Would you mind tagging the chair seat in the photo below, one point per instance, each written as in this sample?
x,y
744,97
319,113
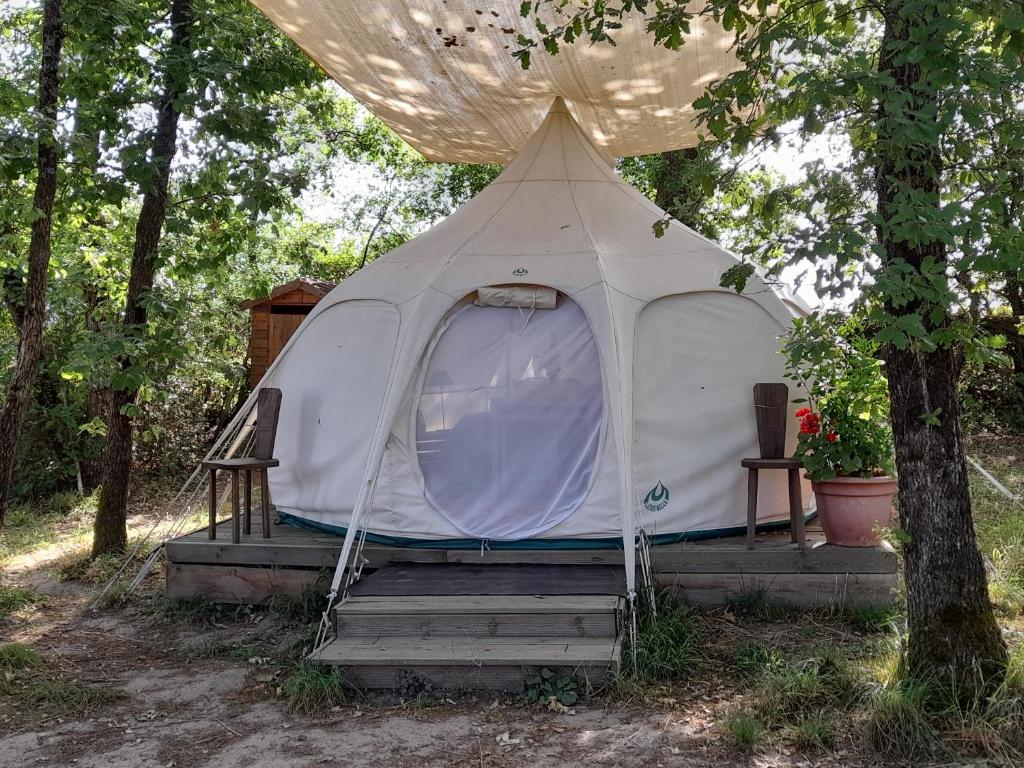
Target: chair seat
x,y
241,463
771,463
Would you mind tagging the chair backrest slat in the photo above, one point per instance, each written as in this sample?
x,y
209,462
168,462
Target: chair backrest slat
x,y
268,408
770,403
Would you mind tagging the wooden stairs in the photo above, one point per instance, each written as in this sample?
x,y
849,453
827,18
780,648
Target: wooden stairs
x,y
517,620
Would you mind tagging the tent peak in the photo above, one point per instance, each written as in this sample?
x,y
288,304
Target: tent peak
x,y
559,150
558,107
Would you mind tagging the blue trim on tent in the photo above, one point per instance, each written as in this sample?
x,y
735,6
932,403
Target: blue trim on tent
x,y
475,544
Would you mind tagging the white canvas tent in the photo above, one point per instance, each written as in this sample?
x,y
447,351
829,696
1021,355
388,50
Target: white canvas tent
x,y
614,395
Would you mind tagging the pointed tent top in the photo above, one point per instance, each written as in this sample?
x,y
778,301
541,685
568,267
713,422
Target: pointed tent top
x,y
559,150
558,107
443,77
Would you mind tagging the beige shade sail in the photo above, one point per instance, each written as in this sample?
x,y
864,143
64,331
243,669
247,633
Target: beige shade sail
x,y
442,75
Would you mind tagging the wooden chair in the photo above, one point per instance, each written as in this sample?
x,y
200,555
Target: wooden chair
x,y
770,405
268,407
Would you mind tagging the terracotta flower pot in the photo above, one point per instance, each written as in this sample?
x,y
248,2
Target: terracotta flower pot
x,y
852,509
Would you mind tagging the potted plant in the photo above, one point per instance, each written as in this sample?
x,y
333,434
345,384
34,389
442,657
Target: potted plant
x,y
845,440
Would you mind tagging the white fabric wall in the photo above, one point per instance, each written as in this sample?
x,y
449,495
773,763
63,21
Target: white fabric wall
x,y
697,358
333,384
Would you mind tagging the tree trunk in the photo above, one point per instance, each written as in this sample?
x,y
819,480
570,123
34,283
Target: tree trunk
x,y
31,315
97,405
953,635
110,531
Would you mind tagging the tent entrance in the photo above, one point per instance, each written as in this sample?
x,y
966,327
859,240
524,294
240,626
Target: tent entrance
x,y
508,419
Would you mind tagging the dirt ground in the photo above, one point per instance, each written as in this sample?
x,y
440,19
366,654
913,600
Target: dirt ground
x,y
190,695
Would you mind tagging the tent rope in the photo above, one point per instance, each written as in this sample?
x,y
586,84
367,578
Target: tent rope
x,y
995,483
643,545
239,434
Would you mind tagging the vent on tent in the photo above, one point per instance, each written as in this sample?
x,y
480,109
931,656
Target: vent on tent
x,y
524,296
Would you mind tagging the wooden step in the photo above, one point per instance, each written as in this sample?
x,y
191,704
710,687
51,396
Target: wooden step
x,y
450,663
570,616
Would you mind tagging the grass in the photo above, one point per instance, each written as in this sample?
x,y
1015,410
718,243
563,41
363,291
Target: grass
x,y
13,599
795,689
813,733
668,645
22,681
911,720
43,523
60,695
897,728
743,731
753,660
193,611
311,689
17,656
871,618
302,610
999,522
804,701
756,604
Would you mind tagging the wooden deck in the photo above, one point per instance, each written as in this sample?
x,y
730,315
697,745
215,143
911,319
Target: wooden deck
x,y
708,573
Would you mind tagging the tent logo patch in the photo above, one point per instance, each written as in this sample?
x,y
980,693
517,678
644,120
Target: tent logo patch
x,y
520,271
656,498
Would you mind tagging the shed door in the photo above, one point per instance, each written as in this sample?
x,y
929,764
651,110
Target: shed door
x,y
282,326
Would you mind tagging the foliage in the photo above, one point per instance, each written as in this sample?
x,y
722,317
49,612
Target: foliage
x,y
811,69
542,687
709,191
844,429
312,688
992,397
263,137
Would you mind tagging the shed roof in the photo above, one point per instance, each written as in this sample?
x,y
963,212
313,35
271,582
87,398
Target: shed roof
x,y
319,288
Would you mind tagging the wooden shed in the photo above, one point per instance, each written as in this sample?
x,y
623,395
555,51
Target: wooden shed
x,y
274,318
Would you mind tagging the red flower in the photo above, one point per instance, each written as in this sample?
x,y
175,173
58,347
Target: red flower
x,y
802,412
810,423
832,437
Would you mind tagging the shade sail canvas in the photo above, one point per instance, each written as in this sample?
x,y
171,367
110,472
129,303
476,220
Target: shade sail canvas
x,y
442,75
425,417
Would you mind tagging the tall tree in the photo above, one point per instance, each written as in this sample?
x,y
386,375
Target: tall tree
x,y
953,633
110,531
29,308
926,94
